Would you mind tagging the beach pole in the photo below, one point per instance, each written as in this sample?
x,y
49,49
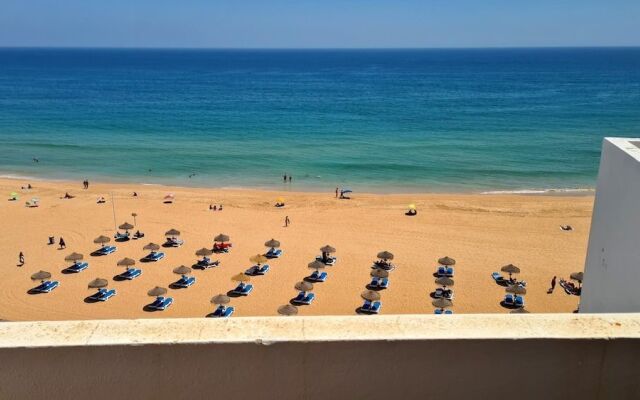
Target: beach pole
x,y
113,206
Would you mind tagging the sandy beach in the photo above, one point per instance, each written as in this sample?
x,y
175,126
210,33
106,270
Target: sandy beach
x,y
481,232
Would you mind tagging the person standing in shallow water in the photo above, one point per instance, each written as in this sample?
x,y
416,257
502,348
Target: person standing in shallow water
x,y
336,193
289,178
284,177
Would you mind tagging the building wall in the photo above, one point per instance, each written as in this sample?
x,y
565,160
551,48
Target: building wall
x,y
396,357
612,269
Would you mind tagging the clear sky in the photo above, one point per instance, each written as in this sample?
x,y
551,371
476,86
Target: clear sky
x,y
319,23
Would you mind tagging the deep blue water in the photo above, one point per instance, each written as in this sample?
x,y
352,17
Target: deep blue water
x,y
381,120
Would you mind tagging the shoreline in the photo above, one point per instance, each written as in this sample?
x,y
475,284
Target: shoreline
x,y
308,190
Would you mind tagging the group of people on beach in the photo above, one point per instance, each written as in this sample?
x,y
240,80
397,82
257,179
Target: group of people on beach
x,y
285,177
85,184
213,207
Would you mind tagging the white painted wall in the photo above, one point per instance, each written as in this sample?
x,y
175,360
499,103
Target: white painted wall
x,y
612,269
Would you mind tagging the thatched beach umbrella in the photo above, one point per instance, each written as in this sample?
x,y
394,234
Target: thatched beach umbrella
x,y
444,281
126,226
221,238
316,265
287,310
98,283
134,215
379,273
442,303
74,257
303,286
272,243
510,269
370,295
157,291
258,259
101,240
172,233
203,252
182,270
448,261
385,255
520,310
126,262
151,247
327,249
41,275
516,289
220,299
577,276
241,277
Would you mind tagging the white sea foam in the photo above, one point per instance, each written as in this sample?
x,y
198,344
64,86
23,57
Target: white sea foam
x,y
542,191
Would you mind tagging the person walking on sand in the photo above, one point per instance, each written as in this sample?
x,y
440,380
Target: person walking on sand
x,y
62,244
287,221
553,284
336,192
21,259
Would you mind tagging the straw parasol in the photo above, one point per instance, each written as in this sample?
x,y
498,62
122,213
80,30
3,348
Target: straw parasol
x,y
41,275
98,283
520,310
379,273
221,238
385,255
258,259
510,269
241,277
101,240
204,252
287,310
446,261
303,286
157,291
152,247
316,265
126,262
220,299
442,303
126,226
577,276
73,257
272,243
134,215
370,295
328,249
182,270
444,281
172,232
516,289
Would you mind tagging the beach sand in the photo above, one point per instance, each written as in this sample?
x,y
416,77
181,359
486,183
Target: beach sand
x,y
481,232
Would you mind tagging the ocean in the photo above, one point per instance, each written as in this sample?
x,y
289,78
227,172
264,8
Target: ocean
x,y
432,120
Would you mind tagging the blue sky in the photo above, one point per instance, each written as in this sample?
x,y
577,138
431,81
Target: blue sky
x,y
321,23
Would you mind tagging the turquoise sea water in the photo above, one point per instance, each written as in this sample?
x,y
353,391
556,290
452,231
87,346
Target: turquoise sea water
x,y
374,120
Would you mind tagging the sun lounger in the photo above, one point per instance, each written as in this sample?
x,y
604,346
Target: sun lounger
x,y
157,302
103,295
449,272
131,274
78,267
103,251
46,287
438,293
122,237
223,312
165,303
317,277
173,242
519,301
273,253
206,262
222,247
441,271
329,261
185,281
371,308
508,300
383,283
256,270
304,298
448,294
242,289
497,277
153,256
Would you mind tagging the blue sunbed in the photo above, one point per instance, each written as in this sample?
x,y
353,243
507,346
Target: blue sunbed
x,y
46,287
207,263
383,283
255,270
131,274
103,251
273,253
103,295
317,276
242,289
223,312
371,308
153,256
304,298
497,277
440,311
185,281
519,301
123,237
78,267
449,272
165,303
442,271
508,299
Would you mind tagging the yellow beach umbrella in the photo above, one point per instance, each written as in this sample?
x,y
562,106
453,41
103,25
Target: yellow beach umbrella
x,y
412,206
